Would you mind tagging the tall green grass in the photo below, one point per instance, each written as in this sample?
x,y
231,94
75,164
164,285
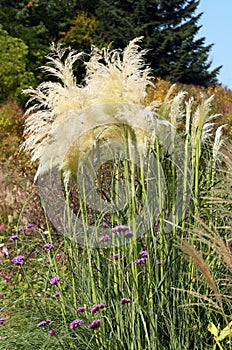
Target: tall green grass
x,y
170,299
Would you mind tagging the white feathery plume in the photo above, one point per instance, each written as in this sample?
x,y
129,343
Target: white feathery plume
x,y
121,75
218,141
201,124
67,118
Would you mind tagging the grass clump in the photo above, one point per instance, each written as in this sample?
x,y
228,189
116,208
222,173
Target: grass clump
x,y
131,200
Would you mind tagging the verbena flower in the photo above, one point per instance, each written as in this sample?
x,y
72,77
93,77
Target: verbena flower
x,y
140,261
48,246
158,262
104,238
55,280
52,332
94,324
97,307
2,320
143,253
75,324
56,294
81,309
119,228
13,238
30,227
18,260
125,301
129,234
43,323
115,256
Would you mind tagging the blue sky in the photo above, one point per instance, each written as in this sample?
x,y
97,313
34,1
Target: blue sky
x,y
216,28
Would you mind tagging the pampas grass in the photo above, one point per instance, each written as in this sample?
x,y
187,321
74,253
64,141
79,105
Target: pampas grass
x,y
64,111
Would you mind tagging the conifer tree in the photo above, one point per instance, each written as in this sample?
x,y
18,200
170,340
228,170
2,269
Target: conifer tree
x,y
169,28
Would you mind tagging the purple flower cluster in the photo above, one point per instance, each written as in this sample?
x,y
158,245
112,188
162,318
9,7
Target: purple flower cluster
x,y
56,294
159,262
81,309
125,301
52,332
119,228
2,320
105,238
43,323
13,238
140,261
75,324
129,234
94,324
97,307
54,280
18,260
143,253
48,246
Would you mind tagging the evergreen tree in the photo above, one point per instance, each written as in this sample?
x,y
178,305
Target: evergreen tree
x,y
169,28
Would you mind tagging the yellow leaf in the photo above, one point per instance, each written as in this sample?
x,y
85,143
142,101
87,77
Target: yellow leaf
x,y
213,329
227,331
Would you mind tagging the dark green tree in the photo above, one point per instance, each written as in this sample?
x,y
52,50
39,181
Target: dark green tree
x,y
169,28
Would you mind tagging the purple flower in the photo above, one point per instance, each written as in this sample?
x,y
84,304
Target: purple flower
x,y
94,324
43,323
105,224
97,307
143,253
81,309
48,246
140,261
30,227
18,260
115,256
2,320
119,228
13,238
125,301
129,234
75,324
159,262
104,238
56,294
52,332
55,280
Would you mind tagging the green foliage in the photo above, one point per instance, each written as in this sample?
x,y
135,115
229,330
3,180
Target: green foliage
x,y
13,74
82,33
